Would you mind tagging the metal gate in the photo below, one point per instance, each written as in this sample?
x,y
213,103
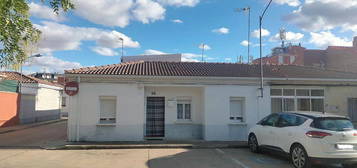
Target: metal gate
x,y
28,109
352,109
155,117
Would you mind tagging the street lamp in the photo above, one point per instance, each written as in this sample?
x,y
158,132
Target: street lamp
x,y
247,9
203,50
261,51
32,56
122,47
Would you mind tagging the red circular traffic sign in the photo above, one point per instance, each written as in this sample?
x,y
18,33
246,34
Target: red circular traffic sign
x,y
71,88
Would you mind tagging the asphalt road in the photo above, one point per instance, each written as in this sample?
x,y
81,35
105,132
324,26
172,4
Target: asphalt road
x,y
35,137
140,158
20,149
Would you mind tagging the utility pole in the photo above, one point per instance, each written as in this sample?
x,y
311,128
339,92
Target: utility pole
x,y
247,9
203,50
21,63
261,50
122,47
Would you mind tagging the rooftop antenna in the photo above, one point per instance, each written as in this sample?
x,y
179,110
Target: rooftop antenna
x,y
282,35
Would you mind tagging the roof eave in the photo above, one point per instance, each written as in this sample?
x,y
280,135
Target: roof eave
x,y
210,78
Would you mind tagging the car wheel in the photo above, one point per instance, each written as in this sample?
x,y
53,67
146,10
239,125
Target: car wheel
x,y
253,143
349,165
299,157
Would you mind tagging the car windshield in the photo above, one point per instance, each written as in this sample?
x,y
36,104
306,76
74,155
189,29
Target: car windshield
x,y
333,124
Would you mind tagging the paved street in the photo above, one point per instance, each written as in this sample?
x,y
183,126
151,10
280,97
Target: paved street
x,y
20,149
139,158
49,134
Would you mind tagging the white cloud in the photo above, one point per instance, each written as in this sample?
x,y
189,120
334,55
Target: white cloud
x,y
326,38
148,11
104,51
177,21
119,12
222,30
50,63
45,12
318,15
256,33
57,37
179,3
122,12
293,3
205,46
290,36
244,43
153,52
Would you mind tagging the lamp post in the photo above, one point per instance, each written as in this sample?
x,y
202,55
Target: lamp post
x,y
261,50
122,47
247,9
32,56
203,50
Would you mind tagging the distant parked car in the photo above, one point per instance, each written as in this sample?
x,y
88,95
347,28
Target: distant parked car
x,y
307,138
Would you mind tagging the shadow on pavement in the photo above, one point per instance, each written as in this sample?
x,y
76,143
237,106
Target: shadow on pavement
x,y
210,158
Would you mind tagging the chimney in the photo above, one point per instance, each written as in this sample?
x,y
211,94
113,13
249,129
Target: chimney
x,y
355,41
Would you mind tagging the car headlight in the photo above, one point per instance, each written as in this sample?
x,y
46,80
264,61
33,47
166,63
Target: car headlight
x,y
344,146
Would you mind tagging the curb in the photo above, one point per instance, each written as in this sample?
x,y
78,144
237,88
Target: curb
x,y
143,146
31,126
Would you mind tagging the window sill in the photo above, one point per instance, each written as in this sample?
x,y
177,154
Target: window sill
x,y
108,124
237,123
183,122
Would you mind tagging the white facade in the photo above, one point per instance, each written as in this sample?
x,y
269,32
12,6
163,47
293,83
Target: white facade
x,y
83,123
210,112
39,102
208,98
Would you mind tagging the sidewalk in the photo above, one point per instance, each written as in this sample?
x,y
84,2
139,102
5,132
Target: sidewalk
x,y
26,126
153,144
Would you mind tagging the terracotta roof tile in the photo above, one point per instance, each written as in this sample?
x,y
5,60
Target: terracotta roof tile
x,y
12,75
142,68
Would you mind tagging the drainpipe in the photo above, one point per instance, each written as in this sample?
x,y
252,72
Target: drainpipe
x,y
78,112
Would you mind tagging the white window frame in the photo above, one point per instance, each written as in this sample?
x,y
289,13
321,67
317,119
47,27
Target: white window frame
x,y
295,97
242,117
102,119
184,103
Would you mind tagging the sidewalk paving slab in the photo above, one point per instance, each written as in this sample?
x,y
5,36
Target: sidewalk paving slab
x,y
150,145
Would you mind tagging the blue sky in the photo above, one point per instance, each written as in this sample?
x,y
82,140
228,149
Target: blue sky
x,y
89,35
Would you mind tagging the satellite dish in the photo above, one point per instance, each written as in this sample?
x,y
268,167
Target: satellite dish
x,y
282,34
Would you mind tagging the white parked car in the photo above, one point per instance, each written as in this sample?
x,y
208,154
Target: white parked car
x,y
307,138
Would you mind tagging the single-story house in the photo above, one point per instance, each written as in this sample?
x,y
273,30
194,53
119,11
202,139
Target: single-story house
x,y
39,100
136,101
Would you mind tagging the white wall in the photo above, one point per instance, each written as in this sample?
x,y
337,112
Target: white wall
x,y
218,126
175,129
47,104
85,107
210,111
173,93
